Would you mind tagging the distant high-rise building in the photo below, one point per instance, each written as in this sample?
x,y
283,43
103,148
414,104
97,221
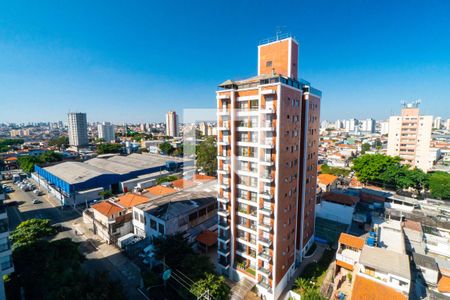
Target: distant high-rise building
x,y
437,122
78,129
203,128
368,125
338,124
106,132
172,124
410,136
268,136
447,125
384,127
350,125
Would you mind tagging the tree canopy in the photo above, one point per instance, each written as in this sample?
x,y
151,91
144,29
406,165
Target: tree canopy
x,y
207,156
53,270
325,169
388,172
166,148
440,185
364,148
177,254
6,144
27,162
108,148
214,284
30,231
59,141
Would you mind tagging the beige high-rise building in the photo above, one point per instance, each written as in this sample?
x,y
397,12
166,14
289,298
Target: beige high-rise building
x,y
268,133
410,137
78,129
172,124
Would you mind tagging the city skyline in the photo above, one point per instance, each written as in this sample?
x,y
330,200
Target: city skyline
x,y
105,60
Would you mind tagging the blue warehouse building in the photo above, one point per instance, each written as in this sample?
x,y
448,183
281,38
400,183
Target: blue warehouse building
x,y
80,182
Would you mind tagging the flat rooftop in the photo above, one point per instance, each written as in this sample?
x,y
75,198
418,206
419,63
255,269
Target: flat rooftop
x,y
182,202
74,172
77,172
386,261
391,236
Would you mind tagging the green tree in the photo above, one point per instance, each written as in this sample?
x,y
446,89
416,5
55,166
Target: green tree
x,y
378,144
207,156
106,194
439,183
216,286
50,156
172,248
196,266
7,144
166,179
53,270
166,148
108,148
27,162
364,148
369,167
30,231
59,141
325,169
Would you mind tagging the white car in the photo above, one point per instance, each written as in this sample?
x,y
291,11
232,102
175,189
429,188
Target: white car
x,y
36,201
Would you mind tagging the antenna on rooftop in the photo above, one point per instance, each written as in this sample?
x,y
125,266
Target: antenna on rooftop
x,y
279,31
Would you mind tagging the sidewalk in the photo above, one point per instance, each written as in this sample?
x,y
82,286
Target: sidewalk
x,y
110,258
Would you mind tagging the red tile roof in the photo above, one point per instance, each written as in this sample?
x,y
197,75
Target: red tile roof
x,y
207,238
203,177
130,200
326,178
182,183
351,240
444,284
12,158
344,265
160,190
107,208
364,288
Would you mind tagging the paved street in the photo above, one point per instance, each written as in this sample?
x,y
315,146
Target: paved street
x,y
100,256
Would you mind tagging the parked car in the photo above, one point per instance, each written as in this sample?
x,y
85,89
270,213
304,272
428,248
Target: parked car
x,y
38,192
36,201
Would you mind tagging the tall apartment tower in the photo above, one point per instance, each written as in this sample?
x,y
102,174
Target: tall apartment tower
x,y
268,129
78,131
105,131
410,136
172,124
6,261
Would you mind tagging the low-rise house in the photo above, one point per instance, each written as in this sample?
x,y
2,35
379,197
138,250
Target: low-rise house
x,y
348,252
385,267
189,211
327,182
111,219
365,288
427,267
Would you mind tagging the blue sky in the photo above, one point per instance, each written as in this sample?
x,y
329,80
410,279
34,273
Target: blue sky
x,y
126,61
